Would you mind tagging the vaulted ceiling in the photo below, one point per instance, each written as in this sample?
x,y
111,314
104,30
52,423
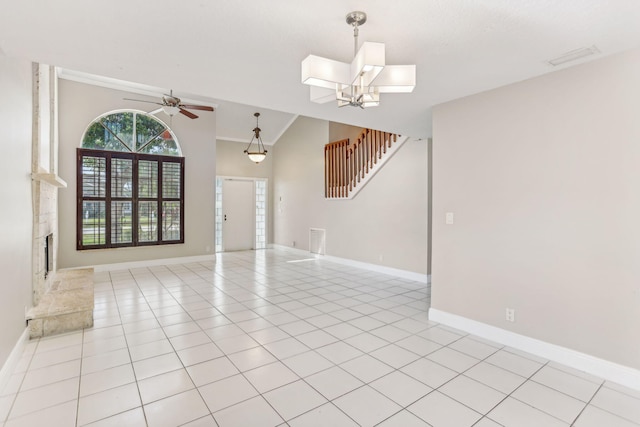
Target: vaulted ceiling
x,y
248,52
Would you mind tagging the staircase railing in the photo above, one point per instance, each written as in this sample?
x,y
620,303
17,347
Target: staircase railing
x,y
347,164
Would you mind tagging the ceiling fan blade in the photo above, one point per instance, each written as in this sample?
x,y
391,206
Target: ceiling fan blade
x,y
197,107
141,100
188,114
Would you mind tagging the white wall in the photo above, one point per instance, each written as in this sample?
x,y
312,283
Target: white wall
x,y
79,105
385,224
232,161
543,177
15,193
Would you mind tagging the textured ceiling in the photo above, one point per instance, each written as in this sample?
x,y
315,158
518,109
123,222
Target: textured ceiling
x,y
249,51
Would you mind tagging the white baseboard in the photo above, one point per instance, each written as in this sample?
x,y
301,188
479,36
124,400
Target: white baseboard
x,y
153,262
404,274
13,359
620,374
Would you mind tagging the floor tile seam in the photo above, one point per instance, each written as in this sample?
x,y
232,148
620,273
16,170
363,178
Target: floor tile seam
x,y
330,402
455,400
400,367
403,406
49,366
10,418
233,404
83,374
450,380
506,370
289,419
486,414
470,355
529,378
481,340
422,356
404,409
82,396
259,393
13,401
608,411
632,396
110,416
34,388
512,372
62,348
514,351
143,403
169,338
545,412
135,375
588,403
533,380
77,420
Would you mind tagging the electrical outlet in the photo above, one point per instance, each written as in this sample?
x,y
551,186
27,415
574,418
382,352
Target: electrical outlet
x,y
448,218
510,315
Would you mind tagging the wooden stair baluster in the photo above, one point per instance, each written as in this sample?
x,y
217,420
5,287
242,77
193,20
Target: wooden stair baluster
x,y
347,164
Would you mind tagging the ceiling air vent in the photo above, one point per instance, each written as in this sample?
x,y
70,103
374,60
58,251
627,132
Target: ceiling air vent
x,y
574,55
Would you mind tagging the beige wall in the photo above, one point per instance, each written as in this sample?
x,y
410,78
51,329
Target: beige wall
x,y
232,161
16,213
79,104
339,131
543,178
385,224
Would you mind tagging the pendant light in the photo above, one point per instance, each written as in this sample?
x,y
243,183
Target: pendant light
x,y
258,154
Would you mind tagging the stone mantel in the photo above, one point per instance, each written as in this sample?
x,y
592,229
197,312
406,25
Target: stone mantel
x,y
50,178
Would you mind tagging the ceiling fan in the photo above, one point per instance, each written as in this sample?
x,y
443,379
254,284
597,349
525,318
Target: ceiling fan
x,y
171,105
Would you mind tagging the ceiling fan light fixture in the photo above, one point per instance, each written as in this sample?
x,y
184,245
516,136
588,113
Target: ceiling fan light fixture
x,y
170,110
257,154
172,105
359,83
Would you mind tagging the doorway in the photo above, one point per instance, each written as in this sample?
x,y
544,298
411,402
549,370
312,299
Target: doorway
x,y
240,213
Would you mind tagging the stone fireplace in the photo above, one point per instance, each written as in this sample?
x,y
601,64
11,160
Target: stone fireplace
x,y
62,300
45,230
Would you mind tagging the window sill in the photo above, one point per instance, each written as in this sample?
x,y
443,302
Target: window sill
x,y
50,178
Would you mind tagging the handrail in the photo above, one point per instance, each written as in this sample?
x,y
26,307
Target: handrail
x,y
347,164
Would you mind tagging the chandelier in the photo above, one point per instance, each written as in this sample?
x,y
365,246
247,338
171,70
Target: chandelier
x,y
259,153
360,83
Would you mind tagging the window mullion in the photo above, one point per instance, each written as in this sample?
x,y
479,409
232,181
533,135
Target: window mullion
x,y
107,207
134,202
159,202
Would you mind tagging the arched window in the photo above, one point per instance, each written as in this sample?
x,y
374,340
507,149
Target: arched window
x,y
130,183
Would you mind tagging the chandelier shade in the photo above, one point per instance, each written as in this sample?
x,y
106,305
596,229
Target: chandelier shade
x,y
360,82
257,157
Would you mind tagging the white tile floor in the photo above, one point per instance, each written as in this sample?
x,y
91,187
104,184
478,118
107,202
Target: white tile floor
x,y
256,340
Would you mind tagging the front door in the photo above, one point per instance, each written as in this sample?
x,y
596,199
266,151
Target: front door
x,y
238,214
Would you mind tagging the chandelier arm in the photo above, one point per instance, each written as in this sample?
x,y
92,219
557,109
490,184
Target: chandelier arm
x,y
249,146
